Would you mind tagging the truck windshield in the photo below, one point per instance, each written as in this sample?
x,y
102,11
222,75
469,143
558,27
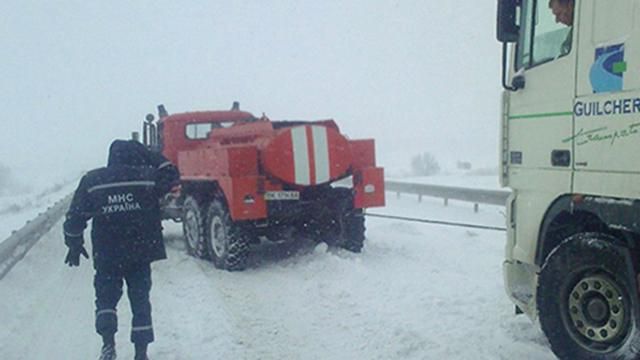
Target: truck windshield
x,y
544,36
202,130
198,131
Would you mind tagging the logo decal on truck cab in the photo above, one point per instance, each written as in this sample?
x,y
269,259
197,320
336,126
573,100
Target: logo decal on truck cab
x,y
607,71
583,137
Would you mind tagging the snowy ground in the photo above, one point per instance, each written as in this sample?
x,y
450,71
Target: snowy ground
x,y
417,291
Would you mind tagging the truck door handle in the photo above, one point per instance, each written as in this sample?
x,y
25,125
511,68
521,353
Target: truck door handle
x,y
561,158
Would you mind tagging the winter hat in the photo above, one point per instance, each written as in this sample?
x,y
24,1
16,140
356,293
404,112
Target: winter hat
x,y
128,152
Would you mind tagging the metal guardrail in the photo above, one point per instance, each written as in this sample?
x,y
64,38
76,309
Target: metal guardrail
x,y
475,196
16,246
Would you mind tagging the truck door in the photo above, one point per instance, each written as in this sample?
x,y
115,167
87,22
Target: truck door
x,y
540,114
538,118
607,108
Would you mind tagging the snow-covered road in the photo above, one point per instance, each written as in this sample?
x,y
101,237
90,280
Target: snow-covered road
x,y
416,292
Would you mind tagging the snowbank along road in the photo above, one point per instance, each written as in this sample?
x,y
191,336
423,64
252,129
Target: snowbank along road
x,y
417,291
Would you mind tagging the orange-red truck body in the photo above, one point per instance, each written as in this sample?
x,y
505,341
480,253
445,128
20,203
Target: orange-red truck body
x,y
249,158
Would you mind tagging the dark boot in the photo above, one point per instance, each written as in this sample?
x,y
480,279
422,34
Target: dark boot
x,y
141,351
108,352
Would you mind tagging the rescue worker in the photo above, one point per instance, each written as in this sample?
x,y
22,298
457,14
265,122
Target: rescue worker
x,y
123,201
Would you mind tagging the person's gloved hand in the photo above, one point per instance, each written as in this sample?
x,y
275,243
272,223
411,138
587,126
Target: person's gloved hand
x,y
73,255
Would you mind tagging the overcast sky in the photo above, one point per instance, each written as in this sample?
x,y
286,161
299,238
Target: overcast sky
x,y
417,76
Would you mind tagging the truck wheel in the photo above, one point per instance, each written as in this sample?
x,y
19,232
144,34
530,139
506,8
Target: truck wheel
x,y
226,241
352,234
346,227
193,227
587,300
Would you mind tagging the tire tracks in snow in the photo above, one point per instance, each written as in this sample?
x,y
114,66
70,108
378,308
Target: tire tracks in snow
x,y
225,316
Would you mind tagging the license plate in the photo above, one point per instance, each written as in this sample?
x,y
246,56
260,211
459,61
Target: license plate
x,y
282,195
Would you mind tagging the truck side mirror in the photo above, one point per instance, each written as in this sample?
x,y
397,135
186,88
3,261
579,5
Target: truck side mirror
x,y
149,134
507,28
518,82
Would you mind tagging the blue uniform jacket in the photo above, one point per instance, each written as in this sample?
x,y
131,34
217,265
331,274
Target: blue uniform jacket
x,y
122,199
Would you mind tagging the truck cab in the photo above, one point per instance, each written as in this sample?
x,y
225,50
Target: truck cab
x,y
570,129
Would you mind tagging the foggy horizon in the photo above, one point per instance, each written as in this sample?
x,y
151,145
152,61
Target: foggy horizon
x,y
416,76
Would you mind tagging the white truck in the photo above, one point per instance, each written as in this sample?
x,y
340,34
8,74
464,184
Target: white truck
x,y
570,152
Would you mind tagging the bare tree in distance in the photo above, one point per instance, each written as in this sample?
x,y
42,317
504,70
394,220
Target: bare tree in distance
x,y
424,164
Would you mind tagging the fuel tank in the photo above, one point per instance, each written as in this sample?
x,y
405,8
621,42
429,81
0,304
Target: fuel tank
x,y
307,155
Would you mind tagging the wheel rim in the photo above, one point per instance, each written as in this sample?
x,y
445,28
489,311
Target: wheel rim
x,y
598,312
218,237
191,222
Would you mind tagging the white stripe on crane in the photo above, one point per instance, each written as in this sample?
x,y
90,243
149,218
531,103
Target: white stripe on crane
x,y
300,155
321,153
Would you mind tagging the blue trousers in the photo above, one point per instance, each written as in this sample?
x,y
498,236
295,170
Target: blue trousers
x,y
108,286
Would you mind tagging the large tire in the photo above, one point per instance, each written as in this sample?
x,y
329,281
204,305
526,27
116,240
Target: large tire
x,y
345,226
226,241
587,300
353,229
193,227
